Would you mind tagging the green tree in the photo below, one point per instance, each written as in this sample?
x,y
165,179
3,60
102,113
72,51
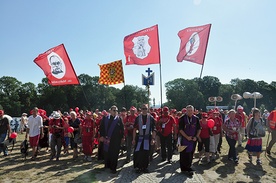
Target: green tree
x,y
28,96
9,98
131,95
181,92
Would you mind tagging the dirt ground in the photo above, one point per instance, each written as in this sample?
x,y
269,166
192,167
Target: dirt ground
x,y
14,168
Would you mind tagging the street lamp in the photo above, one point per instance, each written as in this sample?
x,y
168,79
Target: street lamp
x,y
215,99
236,97
254,95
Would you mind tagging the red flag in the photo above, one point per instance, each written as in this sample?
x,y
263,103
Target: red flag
x,y
142,47
193,44
57,66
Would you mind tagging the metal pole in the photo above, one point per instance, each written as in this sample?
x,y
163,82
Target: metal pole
x,y
148,94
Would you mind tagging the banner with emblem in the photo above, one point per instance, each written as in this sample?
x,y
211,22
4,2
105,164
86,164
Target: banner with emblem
x,y
111,73
194,41
142,47
57,66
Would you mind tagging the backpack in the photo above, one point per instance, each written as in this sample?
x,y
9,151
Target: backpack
x,y
258,130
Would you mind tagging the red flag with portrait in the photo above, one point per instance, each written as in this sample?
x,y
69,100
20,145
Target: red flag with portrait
x,y
57,66
193,44
142,47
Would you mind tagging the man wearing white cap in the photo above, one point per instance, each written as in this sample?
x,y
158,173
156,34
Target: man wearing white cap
x,y
241,117
56,125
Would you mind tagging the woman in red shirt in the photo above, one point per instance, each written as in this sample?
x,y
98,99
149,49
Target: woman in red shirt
x,y
204,138
87,131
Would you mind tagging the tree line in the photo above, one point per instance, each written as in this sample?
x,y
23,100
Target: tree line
x,y
17,97
197,91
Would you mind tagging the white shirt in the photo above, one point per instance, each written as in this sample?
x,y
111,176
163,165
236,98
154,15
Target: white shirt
x,y
34,125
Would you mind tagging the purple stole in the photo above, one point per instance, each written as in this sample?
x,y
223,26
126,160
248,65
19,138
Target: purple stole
x,y
108,132
190,130
142,136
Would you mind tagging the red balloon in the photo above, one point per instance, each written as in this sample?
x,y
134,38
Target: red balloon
x,y
211,123
70,129
13,135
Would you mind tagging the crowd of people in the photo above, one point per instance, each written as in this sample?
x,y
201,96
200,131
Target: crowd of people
x,y
142,132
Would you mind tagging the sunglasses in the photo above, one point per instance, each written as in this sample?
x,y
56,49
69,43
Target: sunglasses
x,y
114,110
144,108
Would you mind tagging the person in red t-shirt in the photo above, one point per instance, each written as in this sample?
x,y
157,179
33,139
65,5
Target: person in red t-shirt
x,y
128,123
176,118
66,135
204,139
217,133
87,131
56,126
167,124
271,120
241,117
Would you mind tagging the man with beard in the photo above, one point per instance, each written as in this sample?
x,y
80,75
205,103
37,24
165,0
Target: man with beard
x,y
145,127
189,129
111,134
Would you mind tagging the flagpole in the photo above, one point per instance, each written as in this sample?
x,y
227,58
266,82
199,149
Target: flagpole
x,y
89,106
160,70
124,88
201,71
205,51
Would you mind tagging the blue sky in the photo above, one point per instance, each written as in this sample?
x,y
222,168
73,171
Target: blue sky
x,y
241,42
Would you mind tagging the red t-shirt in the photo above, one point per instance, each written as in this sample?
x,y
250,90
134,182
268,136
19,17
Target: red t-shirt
x,y
87,126
56,122
128,122
204,130
240,117
217,127
176,124
272,120
166,124
65,131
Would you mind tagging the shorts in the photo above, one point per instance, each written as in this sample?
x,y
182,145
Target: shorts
x,y
34,141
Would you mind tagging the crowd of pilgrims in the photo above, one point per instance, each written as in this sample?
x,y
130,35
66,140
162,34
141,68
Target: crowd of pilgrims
x,y
142,132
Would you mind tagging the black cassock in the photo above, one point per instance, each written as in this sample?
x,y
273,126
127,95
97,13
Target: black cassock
x,y
114,136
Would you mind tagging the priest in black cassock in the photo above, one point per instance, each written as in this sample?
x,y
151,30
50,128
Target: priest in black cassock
x,y
111,134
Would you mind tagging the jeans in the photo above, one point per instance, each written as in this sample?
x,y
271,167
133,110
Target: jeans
x,y
232,149
3,148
